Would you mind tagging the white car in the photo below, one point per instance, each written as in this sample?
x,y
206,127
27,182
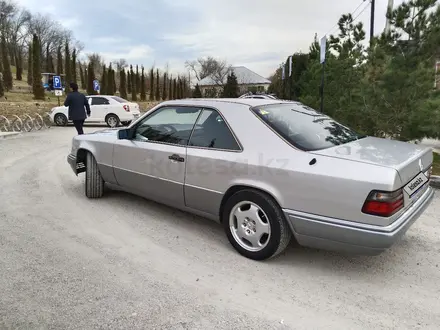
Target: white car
x,y
113,110
258,96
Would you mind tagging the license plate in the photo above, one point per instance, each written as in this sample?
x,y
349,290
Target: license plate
x,y
415,184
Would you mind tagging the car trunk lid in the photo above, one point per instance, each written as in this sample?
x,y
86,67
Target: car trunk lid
x,y
134,107
408,159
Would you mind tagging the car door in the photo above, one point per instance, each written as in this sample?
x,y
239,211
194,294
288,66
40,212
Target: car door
x,y
99,109
152,163
212,155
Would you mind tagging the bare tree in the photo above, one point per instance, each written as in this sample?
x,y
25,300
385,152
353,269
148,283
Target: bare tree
x,y
120,64
210,67
97,63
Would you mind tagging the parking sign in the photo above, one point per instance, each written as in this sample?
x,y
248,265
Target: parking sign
x,y
57,82
96,85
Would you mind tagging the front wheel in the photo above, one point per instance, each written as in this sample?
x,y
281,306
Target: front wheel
x,y
60,119
255,225
94,182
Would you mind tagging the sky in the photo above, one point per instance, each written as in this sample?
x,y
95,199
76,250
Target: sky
x,y
258,34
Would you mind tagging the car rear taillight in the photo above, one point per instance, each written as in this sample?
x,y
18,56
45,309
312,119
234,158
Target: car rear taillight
x,y
383,204
126,108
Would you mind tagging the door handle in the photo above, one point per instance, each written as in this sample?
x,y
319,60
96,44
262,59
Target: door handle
x,y
176,158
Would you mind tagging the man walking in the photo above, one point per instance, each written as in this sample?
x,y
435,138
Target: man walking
x,y
78,106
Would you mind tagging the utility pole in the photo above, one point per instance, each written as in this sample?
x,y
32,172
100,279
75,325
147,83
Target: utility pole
x,y
373,5
390,8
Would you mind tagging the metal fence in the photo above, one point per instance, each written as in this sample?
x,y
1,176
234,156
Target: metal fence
x,y
25,123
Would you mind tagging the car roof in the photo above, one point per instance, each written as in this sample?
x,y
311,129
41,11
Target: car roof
x,y
212,101
100,95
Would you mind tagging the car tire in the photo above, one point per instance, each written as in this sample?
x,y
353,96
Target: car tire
x,y
60,119
94,185
112,120
126,123
270,217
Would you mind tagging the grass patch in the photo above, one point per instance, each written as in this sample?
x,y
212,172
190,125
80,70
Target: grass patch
x,y
436,164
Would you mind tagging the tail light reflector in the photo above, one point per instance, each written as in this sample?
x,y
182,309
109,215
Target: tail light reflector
x,y
127,108
383,204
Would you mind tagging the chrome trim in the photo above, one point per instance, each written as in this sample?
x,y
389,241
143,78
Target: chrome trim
x,y
205,189
227,124
152,111
147,175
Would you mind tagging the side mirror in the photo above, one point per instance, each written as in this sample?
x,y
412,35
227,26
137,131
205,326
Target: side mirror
x,y
125,134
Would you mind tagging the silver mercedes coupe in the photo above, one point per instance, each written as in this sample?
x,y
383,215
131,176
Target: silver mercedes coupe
x,y
266,170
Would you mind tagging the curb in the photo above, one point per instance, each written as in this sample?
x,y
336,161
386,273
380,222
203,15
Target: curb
x,y
8,135
435,181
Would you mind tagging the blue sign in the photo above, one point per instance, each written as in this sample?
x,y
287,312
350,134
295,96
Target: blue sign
x,y
57,82
96,85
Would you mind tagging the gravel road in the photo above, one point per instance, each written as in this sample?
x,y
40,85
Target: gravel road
x,y
122,262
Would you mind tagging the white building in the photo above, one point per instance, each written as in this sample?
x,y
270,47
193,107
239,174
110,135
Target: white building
x,y
247,81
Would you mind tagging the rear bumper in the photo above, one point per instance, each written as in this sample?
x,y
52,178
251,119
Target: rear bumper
x,y
350,237
129,116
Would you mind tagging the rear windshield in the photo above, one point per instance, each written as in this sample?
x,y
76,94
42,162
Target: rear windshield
x,y
304,127
119,99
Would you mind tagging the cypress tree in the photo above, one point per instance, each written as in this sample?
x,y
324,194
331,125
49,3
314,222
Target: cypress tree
x,y
138,80
178,96
197,92
170,88
30,70
67,66
104,89
74,77
90,78
86,79
1,71
110,81
164,87
81,76
122,84
128,82
47,58
151,84
59,61
51,66
133,84
231,87
143,91
2,88
19,62
184,88
7,73
157,86
37,86
181,88
114,81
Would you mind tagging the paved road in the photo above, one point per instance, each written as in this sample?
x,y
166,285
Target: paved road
x,y
122,262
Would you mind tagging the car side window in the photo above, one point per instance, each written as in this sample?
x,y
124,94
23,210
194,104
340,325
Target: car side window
x,y
99,101
211,131
168,125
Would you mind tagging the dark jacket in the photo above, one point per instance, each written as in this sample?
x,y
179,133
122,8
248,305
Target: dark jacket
x,y
78,105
